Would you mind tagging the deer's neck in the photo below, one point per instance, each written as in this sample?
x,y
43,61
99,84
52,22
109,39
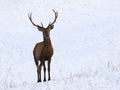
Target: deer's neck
x,y
47,42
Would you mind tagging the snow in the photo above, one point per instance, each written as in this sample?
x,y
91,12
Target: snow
x,y
86,40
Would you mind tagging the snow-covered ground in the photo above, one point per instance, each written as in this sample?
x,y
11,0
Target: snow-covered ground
x,y
86,40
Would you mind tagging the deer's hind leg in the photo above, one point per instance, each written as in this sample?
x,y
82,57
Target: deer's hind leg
x,y
39,71
36,60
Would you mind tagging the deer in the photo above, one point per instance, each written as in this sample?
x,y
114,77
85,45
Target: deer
x,y
43,51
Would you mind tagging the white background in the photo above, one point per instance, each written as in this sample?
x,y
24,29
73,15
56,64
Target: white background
x,y
86,41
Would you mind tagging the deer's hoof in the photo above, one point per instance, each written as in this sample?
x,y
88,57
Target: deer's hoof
x,y
39,81
44,80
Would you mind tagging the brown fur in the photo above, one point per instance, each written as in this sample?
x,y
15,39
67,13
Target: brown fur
x,y
43,51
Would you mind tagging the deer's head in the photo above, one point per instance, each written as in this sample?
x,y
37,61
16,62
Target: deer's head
x,y
45,31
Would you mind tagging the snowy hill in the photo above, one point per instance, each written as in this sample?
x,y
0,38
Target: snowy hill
x,y
86,40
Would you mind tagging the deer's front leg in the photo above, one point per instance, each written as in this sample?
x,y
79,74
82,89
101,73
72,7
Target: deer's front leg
x,y
44,72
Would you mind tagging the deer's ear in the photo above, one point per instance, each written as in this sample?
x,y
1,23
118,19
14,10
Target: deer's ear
x,y
39,28
52,26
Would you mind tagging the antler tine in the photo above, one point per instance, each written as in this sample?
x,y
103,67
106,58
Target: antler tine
x,y
41,24
56,15
30,17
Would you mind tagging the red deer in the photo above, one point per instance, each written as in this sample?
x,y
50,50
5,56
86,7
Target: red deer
x,y
43,51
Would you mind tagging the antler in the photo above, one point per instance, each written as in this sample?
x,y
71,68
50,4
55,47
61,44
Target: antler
x,y
56,15
30,17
